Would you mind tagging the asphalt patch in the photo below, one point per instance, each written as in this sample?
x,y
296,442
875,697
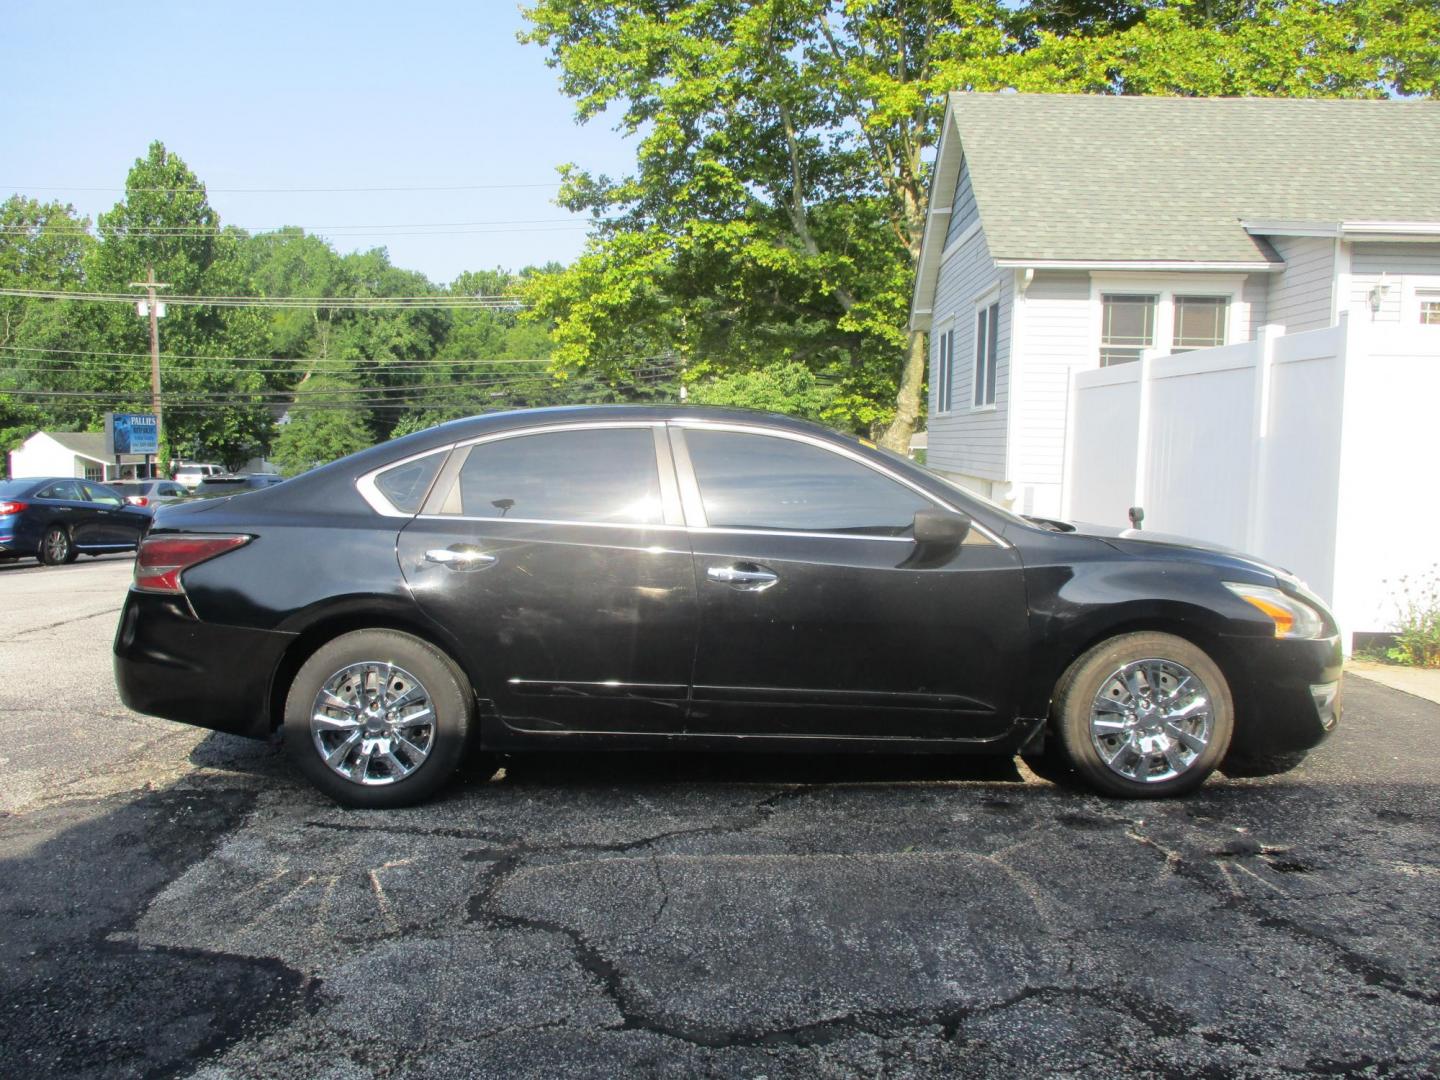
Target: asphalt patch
x,y
79,999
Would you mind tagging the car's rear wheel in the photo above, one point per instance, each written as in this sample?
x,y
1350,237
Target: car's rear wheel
x,y
1144,715
56,547
378,718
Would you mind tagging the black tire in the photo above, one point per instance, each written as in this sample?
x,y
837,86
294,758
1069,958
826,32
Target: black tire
x,y
449,696
1075,697
56,546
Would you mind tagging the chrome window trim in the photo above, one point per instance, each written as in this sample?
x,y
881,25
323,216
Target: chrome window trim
x,y
709,529
555,521
370,492
685,475
823,444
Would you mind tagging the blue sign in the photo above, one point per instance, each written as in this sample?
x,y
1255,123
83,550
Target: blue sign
x,y
132,433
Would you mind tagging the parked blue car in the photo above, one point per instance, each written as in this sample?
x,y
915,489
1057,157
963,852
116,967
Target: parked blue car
x,y
56,518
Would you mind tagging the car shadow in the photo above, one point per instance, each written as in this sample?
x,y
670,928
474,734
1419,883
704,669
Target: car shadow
x,y
253,757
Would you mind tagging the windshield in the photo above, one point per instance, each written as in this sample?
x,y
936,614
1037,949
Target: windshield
x,y
999,511
9,489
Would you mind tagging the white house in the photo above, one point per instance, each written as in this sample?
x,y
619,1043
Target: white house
x,y
69,453
1077,246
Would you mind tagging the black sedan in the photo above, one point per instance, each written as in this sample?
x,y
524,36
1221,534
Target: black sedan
x,y
56,518
651,577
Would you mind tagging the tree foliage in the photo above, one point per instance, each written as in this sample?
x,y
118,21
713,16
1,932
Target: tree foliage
x,y
776,207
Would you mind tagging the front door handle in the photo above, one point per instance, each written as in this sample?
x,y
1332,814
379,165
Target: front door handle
x,y
747,577
455,558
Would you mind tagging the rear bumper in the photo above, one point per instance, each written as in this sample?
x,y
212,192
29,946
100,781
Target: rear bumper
x,y
1289,700
172,665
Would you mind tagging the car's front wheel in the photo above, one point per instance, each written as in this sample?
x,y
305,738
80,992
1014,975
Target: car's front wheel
x,y
378,718
56,547
1144,715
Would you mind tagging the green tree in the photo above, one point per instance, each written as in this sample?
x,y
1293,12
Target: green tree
x,y
780,189
43,246
322,424
789,388
213,353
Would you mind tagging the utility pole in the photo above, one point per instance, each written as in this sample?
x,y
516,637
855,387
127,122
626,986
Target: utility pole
x,y
152,309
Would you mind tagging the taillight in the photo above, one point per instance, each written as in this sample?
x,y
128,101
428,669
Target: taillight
x,y
137,500
7,507
162,559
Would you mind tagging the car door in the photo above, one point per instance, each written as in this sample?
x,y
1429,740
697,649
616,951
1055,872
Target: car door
x,y
820,615
68,505
557,558
113,526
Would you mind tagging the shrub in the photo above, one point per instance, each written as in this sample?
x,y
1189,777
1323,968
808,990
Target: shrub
x,y
1417,628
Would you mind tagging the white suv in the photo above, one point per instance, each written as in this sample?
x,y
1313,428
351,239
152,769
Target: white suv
x,y
190,474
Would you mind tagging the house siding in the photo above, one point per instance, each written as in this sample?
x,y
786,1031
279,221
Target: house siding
x,y
963,210
1256,296
969,442
1056,338
1397,263
1299,297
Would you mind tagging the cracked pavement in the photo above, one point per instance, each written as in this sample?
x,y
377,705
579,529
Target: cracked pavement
x,y
176,903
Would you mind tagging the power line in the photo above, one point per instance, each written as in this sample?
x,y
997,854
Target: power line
x,y
500,302
278,190
209,230
387,364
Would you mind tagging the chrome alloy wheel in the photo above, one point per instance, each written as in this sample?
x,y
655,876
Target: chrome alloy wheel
x,y
1151,720
373,723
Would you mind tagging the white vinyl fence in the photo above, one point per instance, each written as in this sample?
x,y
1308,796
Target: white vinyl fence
x,y
1314,451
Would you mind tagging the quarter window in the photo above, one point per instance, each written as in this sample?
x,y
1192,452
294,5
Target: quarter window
x,y
405,485
987,342
1200,322
763,482
588,475
1127,328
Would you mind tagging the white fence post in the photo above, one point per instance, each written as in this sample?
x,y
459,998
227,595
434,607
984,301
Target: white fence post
x,y
1264,364
1142,430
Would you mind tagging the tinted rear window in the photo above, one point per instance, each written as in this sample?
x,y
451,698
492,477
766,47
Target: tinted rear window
x,y
586,475
10,489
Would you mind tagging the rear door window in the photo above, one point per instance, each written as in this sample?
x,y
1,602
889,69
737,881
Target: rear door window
x,y
591,475
66,490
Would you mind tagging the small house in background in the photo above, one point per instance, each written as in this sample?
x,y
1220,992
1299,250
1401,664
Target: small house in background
x,y
1225,311
71,453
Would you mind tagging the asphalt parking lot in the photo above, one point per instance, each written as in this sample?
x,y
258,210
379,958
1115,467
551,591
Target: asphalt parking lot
x,y
179,903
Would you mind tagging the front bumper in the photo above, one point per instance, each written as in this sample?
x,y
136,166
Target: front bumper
x,y
170,664
1288,697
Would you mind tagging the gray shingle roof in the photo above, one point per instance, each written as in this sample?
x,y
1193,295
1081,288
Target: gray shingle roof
x,y
1093,178
89,444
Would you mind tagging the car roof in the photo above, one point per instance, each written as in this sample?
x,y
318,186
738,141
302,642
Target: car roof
x,y
475,426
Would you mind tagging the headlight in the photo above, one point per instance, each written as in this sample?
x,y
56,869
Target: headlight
x,y
1292,618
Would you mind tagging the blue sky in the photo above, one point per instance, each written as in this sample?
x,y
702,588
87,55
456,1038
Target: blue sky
x,y
305,94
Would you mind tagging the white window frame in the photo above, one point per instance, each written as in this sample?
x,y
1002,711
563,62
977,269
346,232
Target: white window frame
x,y
1165,287
942,382
1417,287
983,303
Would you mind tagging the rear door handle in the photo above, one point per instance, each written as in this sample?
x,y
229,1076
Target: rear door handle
x,y
746,577
460,558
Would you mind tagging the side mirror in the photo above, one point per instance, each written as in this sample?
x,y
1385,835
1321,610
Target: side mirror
x,y
941,527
